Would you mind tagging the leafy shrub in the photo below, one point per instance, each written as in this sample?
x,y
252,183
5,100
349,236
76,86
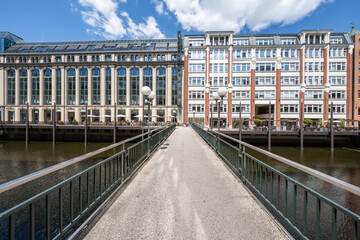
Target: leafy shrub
x,y
258,122
308,122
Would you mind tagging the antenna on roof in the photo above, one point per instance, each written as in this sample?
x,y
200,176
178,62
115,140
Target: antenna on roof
x,y
352,25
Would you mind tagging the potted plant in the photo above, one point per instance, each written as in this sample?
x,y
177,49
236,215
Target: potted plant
x,y
60,122
74,122
50,121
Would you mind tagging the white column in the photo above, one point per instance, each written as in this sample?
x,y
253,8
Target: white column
x,y
77,88
29,80
113,85
4,83
154,85
53,86
89,86
128,103
168,83
17,87
41,95
102,87
141,84
63,92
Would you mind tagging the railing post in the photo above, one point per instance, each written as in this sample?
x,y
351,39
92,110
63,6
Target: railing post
x,y
332,126
86,123
269,128
54,124
114,122
27,124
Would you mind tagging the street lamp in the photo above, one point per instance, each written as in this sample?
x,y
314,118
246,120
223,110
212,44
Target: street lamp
x,y
216,97
150,95
174,112
302,90
146,92
222,93
194,116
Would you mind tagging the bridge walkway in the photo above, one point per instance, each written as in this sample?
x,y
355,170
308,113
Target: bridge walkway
x,y
185,192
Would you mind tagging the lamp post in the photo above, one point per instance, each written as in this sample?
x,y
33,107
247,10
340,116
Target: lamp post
x,y
194,116
216,97
174,112
302,90
146,91
222,93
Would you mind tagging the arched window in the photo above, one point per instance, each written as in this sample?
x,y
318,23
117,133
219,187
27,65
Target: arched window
x,y
174,84
160,86
47,87
83,86
96,86
147,77
71,87
58,86
23,87
121,83
134,86
35,87
108,86
11,87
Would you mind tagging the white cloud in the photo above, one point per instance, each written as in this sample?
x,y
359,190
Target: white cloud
x,y
143,30
159,7
204,15
102,16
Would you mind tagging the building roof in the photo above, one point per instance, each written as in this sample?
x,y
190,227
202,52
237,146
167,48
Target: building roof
x,y
354,31
95,46
10,36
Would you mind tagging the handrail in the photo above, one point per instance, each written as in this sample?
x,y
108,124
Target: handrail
x,y
30,177
327,178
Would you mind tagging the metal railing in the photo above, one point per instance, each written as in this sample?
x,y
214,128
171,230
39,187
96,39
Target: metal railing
x,y
307,213
53,212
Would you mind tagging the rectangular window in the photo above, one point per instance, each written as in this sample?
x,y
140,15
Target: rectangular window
x,y
338,66
196,81
265,53
265,81
313,108
245,108
289,108
337,108
264,42
196,95
261,67
241,67
289,80
313,94
241,95
337,94
237,81
337,80
196,67
289,94
242,53
241,42
197,54
289,66
264,94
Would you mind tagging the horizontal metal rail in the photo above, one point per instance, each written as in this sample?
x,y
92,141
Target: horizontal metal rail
x,y
329,179
30,177
60,207
288,198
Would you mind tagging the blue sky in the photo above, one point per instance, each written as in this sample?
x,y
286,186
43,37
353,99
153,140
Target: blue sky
x,y
65,20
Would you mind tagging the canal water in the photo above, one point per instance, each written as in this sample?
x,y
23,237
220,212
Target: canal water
x,y
342,163
17,160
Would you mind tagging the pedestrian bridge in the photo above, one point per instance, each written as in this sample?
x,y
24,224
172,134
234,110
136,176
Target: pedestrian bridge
x,y
195,185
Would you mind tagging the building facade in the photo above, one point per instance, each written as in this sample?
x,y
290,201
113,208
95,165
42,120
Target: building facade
x,y
92,74
355,35
313,67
